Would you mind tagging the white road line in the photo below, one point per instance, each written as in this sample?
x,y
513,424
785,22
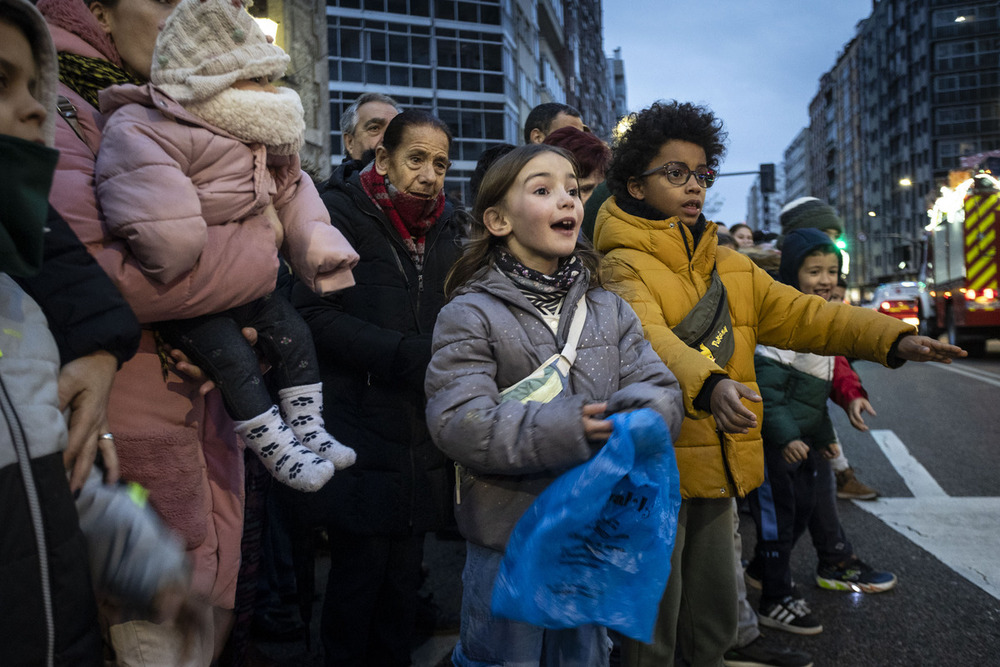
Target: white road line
x,y
976,374
960,532
917,479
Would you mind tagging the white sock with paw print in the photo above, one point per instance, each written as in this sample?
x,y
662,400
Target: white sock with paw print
x,y
282,453
302,407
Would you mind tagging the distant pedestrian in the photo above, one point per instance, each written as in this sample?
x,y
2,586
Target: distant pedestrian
x,y
591,154
743,235
549,117
363,123
520,285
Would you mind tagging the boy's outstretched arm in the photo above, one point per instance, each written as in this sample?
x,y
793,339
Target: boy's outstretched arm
x,y
924,348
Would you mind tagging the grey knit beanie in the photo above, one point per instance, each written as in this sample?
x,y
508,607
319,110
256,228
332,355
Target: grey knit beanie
x,y
809,213
208,45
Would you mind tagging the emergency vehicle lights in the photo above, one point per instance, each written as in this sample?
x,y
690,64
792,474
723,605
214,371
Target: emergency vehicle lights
x,y
950,206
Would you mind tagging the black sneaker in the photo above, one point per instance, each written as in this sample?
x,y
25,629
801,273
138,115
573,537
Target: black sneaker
x,y
854,576
765,653
791,615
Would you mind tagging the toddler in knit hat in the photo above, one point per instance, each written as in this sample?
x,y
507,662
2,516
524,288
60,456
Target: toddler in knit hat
x,y
210,142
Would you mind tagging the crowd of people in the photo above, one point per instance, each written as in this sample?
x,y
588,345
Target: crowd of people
x,y
185,309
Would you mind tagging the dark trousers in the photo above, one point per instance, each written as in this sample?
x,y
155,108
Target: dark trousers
x,y
782,508
371,598
216,344
828,537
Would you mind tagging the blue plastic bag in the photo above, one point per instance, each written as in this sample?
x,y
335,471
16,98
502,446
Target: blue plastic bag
x,y
595,546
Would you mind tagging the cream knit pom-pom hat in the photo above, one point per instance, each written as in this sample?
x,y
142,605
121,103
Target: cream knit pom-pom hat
x,y
208,45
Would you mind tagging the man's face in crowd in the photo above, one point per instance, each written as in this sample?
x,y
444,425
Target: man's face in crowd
x,y
373,117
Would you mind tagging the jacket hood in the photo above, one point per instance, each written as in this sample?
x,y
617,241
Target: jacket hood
x,y
796,247
74,17
44,54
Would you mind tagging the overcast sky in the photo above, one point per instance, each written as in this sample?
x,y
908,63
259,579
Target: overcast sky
x,y
756,63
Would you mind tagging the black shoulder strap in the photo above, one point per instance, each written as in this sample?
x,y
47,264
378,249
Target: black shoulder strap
x,y
68,112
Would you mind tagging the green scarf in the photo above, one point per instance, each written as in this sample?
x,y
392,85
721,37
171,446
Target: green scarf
x,y
89,76
24,203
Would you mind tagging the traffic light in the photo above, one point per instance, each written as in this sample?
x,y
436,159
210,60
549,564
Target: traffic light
x,y
841,244
767,178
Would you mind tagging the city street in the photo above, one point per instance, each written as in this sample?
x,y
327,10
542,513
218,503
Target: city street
x,y
934,454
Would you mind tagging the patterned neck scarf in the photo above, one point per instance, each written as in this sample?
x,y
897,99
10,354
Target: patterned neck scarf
x,y
411,216
570,269
89,76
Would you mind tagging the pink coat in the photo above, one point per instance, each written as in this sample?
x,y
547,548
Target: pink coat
x,y
177,444
165,179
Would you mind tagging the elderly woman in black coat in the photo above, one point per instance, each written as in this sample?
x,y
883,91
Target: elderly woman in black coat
x,y
373,341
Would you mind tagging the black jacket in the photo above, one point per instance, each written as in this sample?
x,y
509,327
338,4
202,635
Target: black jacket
x,y
85,310
373,342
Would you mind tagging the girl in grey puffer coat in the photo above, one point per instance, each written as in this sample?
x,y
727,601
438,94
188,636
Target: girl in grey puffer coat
x,y
513,313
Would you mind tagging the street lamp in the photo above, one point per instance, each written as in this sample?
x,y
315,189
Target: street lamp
x,y
905,182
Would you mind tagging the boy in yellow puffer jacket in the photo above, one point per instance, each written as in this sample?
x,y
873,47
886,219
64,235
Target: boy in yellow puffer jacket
x,y
704,309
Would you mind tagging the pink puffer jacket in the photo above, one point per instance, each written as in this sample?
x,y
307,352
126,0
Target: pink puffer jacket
x,y
165,178
178,445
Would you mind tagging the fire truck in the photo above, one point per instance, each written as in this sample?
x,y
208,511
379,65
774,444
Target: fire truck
x,y
962,263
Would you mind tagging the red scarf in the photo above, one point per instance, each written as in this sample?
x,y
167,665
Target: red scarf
x,y
411,216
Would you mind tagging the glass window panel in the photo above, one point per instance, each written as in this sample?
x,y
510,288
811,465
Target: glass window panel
x,y
375,5
492,58
421,77
472,125
421,50
374,73
471,82
490,14
447,80
350,71
334,66
493,83
378,47
333,41
470,56
445,9
471,150
420,8
399,76
350,44
468,11
350,4
399,49
447,53
450,118
494,125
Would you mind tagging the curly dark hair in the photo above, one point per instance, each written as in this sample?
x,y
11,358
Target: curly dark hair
x,y
650,128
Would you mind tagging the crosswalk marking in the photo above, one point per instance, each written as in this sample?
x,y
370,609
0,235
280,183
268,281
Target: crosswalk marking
x,y
916,477
960,532
970,372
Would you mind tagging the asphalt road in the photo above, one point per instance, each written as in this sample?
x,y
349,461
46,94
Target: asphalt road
x,y
935,529
948,418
